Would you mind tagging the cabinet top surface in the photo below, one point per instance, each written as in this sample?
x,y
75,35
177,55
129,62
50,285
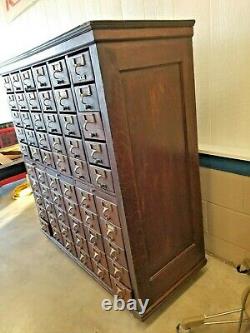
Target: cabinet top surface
x,y
100,25
126,24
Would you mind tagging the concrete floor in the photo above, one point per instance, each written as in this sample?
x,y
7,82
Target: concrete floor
x,y
42,290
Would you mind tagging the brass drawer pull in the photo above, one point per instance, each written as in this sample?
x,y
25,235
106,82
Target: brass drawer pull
x,y
55,145
84,201
83,259
41,79
100,273
75,227
92,239
61,165
78,241
88,218
110,232
97,256
117,273
67,193
71,210
68,246
71,149
56,200
113,253
119,292
106,213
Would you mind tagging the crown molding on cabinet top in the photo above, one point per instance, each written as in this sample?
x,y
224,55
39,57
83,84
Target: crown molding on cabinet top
x,y
101,31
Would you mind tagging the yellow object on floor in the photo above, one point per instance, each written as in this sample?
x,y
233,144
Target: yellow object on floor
x,y
21,190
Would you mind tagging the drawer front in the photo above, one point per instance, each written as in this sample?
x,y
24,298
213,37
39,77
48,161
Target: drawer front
x,y
80,67
47,158
35,153
76,228
91,125
101,273
120,290
26,119
25,150
112,233
85,200
57,144
12,102
79,169
31,138
115,253
41,77
49,207
58,73
94,238
7,83
16,116
39,200
119,273
38,121
47,101
90,220
45,191
35,185
108,211
54,183
41,177
20,132
101,178
69,246
28,80
32,101
68,191
45,226
70,126
98,256
84,258
43,140
53,221
87,99
97,153
58,200
62,217
64,100
16,82
31,170
75,148
72,209
62,164
22,102
57,235
80,242
42,213
52,123
66,232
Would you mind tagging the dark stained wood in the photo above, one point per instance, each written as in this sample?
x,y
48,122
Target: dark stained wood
x,y
117,182
151,109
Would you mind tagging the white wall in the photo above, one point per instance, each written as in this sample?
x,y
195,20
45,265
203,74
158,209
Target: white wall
x,y
221,53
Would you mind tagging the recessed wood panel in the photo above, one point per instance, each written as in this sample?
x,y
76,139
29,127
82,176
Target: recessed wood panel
x,y
156,120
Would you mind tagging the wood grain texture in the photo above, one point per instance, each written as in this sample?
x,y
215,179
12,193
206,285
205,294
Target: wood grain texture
x,y
155,145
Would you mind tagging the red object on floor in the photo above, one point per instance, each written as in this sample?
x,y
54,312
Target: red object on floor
x,y
13,179
7,137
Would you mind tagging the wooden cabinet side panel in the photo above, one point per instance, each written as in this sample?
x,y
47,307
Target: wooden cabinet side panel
x,y
149,92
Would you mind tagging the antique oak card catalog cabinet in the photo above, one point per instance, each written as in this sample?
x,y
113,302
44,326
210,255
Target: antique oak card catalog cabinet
x,y
105,117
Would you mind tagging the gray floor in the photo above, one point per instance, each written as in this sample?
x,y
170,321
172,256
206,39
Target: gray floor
x,y
41,290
